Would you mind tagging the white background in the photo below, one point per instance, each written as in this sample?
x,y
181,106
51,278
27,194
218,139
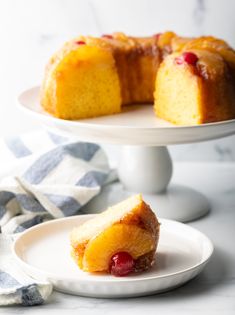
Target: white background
x,y
31,30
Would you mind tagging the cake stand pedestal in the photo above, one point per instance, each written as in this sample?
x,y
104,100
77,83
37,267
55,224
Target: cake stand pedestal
x,y
149,170
145,164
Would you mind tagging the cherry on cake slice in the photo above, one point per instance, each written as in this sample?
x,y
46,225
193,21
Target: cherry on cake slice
x,y
120,240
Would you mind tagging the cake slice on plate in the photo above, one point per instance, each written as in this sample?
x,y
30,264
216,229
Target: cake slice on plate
x,y
120,240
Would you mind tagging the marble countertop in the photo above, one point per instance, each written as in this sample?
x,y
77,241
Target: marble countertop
x,y
212,292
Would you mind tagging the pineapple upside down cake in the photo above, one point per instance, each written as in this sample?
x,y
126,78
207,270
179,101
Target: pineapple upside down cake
x,y
190,81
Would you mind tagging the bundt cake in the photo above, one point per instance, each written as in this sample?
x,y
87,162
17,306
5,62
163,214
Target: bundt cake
x,y
120,240
189,80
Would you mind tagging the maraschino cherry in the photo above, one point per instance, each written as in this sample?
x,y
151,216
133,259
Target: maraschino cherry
x,y
80,42
121,264
187,57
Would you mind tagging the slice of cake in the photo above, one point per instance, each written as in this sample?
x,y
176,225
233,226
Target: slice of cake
x,y
120,240
194,87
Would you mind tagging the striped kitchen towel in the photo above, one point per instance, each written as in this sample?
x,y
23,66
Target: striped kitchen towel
x,y
42,176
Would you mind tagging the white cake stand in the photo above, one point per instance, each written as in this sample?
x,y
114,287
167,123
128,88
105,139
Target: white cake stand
x,y
145,165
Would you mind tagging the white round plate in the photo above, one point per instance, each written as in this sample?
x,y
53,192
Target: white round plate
x,y
137,125
43,251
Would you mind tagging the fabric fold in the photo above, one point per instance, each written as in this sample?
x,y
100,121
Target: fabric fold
x,y
45,176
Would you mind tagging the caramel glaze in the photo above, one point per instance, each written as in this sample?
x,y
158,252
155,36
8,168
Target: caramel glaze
x,y
145,219
137,67
215,74
144,262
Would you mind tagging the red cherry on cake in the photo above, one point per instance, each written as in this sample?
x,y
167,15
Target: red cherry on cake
x,y
121,264
190,58
80,42
187,57
107,36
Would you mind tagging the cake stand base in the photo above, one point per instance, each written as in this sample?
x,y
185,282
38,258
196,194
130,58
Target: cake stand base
x,y
177,202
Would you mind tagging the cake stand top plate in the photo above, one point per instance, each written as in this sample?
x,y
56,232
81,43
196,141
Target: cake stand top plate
x,y
136,125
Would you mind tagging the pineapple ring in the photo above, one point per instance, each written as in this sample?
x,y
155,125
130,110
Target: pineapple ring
x,y
119,237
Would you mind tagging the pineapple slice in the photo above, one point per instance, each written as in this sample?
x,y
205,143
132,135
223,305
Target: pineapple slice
x,y
130,227
117,238
208,43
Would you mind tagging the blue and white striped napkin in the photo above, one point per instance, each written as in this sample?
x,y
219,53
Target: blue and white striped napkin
x,y
42,176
